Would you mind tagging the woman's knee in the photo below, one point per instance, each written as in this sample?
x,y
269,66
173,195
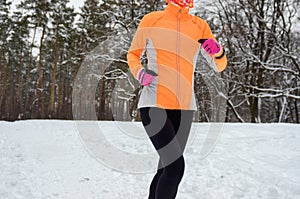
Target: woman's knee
x,y
176,168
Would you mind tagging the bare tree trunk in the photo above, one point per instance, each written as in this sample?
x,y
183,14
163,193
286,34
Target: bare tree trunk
x,y
296,111
40,93
20,86
27,91
53,83
259,109
11,115
253,109
64,100
68,108
3,90
101,110
4,94
60,88
283,108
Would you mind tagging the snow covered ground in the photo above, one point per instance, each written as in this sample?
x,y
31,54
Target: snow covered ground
x,y
47,159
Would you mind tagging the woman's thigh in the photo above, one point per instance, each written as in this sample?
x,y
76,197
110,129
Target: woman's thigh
x,y
168,131
181,122
158,126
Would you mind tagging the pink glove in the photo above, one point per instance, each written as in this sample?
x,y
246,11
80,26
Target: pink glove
x,y
146,76
210,46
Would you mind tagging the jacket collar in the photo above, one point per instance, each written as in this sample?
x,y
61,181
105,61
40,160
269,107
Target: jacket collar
x,y
174,9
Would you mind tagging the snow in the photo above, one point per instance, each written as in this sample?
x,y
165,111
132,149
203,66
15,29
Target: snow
x,y
47,159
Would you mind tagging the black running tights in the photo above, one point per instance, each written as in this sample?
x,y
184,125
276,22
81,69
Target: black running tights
x,y
168,131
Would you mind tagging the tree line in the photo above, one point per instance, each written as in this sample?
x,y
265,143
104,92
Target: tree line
x,y
44,44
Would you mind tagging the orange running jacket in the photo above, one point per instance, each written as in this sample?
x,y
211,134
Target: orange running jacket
x,y
169,39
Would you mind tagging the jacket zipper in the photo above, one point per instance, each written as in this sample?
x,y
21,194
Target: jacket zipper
x,y
178,59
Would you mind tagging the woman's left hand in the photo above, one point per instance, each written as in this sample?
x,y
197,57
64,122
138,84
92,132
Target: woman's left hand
x,y
210,46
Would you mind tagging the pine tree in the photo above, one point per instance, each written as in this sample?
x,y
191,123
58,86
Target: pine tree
x,y
38,13
5,31
19,48
92,25
62,21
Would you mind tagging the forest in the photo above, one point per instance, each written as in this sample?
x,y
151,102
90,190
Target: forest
x,y
45,45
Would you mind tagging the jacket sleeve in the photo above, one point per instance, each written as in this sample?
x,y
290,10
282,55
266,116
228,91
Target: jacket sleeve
x,y
136,49
220,62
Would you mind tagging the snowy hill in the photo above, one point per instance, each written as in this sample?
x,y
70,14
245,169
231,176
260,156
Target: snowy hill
x,y
47,159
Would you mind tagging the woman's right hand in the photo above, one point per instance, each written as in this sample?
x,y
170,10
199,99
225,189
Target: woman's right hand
x,y
146,76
